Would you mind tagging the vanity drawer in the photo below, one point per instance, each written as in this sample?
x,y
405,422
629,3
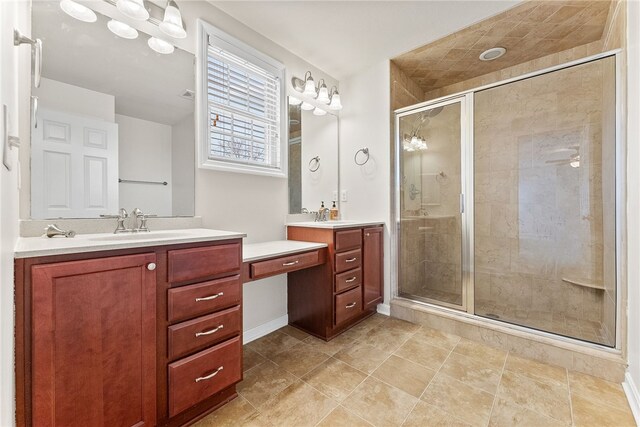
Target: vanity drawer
x,y
348,279
197,263
190,301
194,378
196,334
348,305
348,260
348,239
284,264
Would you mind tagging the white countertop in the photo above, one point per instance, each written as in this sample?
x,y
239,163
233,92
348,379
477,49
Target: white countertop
x,y
28,247
333,224
256,251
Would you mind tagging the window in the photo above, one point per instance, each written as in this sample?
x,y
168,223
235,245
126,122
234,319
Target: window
x,y
240,118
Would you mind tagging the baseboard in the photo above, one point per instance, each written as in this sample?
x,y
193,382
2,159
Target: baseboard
x,y
264,329
633,396
384,309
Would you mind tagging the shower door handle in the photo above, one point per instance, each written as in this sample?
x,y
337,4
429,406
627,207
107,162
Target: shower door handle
x,y
461,203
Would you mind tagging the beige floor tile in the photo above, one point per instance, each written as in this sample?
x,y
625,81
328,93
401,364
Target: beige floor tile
x,y
385,339
329,347
467,403
335,378
598,390
423,354
255,420
363,356
299,359
508,414
397,325
262,382
587,413
360,330
543,397
294,332
536,370
298,405
342,417
425,414
269,345
405,375
379,403
473,372
436,338
232,414
250,359
482,352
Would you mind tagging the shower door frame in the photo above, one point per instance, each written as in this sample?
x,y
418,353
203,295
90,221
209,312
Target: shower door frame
x,y
467,186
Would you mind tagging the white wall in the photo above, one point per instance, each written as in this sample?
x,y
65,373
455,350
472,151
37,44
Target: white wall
x,y
58,96
183,153
12,15
365,122
144,154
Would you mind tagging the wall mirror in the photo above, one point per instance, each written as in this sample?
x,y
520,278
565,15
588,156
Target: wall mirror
x,y
114,123
313,159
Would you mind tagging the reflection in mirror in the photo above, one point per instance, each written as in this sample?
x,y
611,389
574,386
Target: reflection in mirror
x,y
114,130
313,160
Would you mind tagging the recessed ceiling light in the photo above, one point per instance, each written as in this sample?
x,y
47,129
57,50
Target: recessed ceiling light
x,y
121,29
493,53
78,11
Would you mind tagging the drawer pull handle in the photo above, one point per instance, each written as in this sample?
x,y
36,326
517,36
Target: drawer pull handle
x,y
353,304
209,298
209,332
287,264
351,280
351,259
211,375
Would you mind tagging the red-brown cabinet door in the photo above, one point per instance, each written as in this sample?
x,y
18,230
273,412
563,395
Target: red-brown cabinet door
x,y
373,267
94,342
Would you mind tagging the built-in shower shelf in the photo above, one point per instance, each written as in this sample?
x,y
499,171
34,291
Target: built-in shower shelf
x,y
585,283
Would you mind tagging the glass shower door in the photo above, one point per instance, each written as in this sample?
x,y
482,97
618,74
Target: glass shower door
x,y
430,160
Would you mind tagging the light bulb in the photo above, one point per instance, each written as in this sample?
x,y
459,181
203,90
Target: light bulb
x,y
294,101
171,25
335,102
319,112
121,29
323,93
134,9
160,46
306,106
78,11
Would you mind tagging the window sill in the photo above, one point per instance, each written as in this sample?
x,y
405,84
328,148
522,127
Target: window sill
x,y
239,168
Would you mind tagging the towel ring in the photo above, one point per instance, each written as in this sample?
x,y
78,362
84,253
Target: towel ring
x,y
314,164
364,151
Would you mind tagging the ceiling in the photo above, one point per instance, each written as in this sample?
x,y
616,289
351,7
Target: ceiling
x,y
528,31
345,37
146,85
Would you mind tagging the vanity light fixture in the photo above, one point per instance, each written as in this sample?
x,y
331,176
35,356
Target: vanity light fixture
x,y
294,101
323,92
78,11
306,106
121,29
335,103
160,46
134,9
309,85
319,112
171,25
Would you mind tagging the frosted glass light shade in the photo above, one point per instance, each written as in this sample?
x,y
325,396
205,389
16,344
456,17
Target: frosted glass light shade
x,y
323,94
310,87
306,106
294,101
319,112
134,9
171,25
160,46
78,11
121,29
335,103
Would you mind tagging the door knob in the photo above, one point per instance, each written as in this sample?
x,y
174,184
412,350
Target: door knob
x,y
151,266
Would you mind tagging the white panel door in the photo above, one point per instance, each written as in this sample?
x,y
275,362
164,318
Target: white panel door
x,y
74,166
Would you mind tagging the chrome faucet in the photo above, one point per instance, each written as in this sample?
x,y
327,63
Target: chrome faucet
x,y
122,215
53,230
321,215
138,214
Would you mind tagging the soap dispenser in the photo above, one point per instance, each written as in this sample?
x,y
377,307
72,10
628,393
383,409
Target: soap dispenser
x,y
333,213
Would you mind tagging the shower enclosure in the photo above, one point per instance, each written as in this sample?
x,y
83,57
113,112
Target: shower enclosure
x,y
506,202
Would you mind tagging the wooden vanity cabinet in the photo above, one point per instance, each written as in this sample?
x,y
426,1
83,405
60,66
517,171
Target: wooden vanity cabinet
x,y
330,298
106,339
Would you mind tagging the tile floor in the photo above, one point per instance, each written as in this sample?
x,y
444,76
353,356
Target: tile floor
x,y
387,372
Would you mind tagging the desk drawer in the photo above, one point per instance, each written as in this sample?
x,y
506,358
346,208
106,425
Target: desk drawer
x,y
348,305
284,264
348,260
194,378
348,279
348,239
190,301
198,263
196,334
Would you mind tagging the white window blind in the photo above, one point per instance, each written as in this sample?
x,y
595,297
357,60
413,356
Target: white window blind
x,y
243,110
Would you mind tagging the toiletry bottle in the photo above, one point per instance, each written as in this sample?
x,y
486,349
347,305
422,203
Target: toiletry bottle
x,y
333,213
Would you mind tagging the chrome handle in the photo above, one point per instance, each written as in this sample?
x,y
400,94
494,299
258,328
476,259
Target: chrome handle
x,y
211,375
210,297
461,203
37,62
209,332
351,280
151,266
353,304
34,111
287,264
350,259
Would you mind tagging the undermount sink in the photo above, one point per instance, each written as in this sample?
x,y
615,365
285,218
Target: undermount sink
x,y
139,236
